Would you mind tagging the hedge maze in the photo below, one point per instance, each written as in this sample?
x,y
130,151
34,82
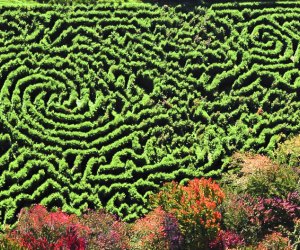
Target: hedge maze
x,y
100,105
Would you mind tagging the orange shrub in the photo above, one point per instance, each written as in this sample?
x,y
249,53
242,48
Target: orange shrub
x,y
196,208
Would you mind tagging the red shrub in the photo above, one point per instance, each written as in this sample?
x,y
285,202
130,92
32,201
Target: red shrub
x,y
196,208
39,229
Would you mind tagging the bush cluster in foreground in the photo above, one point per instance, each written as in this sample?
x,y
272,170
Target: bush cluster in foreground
x,y
256,207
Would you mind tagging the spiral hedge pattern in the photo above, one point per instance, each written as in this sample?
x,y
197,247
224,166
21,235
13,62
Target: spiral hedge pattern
x,y
100,105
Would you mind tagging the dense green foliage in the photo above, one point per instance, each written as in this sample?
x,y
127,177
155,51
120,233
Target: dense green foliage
x,y
288,153
101,104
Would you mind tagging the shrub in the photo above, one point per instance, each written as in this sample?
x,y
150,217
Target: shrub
x,y
239,214
157,230
226,240
273,182
106,231
288,152
260,177
242,166
294,236
274,212
256,217
196,208
39,229
274,241
7,243
294,197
